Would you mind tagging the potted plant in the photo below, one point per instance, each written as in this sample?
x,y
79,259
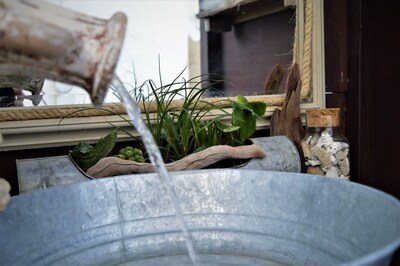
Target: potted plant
x,y
191,132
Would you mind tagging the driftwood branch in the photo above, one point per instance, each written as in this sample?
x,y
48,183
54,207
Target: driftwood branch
x,y
287,121
111,166
273,80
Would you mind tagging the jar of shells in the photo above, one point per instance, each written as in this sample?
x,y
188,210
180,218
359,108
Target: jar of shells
x,y
326,151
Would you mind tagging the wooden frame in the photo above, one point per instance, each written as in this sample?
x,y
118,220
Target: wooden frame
x,y
25,132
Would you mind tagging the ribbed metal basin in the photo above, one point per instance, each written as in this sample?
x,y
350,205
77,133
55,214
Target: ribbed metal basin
x,y
237,217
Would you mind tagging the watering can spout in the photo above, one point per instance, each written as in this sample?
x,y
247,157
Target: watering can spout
x,y
40,38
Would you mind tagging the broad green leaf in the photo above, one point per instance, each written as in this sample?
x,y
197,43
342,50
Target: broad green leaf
x,y
242,100
258,108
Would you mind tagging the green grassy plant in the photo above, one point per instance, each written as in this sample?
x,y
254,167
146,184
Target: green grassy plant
x,y
183,129
184,121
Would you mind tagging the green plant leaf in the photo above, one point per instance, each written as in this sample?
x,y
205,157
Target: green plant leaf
x,y
258,108
105,145
246,121
242,100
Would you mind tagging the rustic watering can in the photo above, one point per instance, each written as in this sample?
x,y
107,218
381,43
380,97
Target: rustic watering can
x,y
45,40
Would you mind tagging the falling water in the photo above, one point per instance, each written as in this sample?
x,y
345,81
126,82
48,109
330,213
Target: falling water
x,y
134,114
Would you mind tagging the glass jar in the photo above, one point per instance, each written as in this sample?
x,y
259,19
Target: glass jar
x,y
325,150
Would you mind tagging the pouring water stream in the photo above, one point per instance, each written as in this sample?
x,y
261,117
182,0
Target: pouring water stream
x,y
134,114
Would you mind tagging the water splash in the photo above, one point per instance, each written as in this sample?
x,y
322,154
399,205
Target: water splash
x,y
134,114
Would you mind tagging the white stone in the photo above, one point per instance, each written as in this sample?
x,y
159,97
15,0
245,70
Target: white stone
x,y
332,172
344,145
313,162
334,147
314,139
325,140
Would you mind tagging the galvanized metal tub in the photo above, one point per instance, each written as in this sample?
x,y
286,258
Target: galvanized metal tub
x,y
237,217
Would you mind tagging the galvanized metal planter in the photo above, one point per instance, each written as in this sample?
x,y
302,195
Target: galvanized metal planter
x,y
236,216
40,173
281,155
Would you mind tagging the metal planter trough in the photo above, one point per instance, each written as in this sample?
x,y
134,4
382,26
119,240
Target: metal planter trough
x,y
41,173
236,216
